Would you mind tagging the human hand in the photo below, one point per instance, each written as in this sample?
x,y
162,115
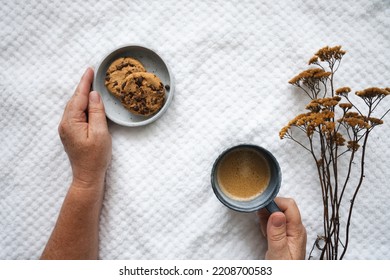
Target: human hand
x,y
84,133
284,231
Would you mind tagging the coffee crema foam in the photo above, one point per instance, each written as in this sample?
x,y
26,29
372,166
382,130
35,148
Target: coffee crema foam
x,y
243,174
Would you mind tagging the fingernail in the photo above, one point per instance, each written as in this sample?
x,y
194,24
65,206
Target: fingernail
x,y
278,220
88,70
94,97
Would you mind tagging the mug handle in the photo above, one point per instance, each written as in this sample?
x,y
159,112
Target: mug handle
x,y
272,207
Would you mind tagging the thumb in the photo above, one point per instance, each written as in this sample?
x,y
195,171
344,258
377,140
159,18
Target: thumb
x,y
277,236
96,114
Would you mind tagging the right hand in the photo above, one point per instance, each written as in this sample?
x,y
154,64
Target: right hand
x,y
84,133
284,231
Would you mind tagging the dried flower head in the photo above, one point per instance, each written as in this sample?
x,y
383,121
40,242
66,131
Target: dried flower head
x,y
313,60
343,91
328,127
339,139
317,105
355,121
352,115
373,92
375,121
310,122
283,132
297,121
329,102
345,106
353,145
330,53
310,76
313,106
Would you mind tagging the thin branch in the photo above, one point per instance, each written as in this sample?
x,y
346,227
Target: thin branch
x,y
354,196
299,143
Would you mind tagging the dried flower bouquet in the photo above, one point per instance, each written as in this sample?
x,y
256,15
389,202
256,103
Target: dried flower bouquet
x,y
335,128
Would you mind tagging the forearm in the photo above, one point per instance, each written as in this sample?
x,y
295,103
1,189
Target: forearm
x,y
76,233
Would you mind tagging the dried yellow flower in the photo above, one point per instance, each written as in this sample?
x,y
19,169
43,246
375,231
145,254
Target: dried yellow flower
x,y
338,98
339,139
329,53
310,75
356,122
328,127
283,132
327,102
353,145
326,114
352,115
330,103
375,121
313,60
310,130
313,106
372,92
301,119
343,91
345,106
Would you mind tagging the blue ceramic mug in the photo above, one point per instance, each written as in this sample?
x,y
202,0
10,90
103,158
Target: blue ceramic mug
x,y
266,198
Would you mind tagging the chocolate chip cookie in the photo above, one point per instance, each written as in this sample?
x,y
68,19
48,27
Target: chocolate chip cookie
x,y
143,93
118,71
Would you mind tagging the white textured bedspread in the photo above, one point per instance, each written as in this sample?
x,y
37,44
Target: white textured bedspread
x,y
232,61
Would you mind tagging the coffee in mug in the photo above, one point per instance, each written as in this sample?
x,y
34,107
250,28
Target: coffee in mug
x,y
243,174
246,178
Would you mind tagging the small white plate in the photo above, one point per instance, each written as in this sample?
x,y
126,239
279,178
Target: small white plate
x,y
153,63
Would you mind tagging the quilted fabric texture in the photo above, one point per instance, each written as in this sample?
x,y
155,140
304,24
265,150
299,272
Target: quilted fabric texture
x,y
231,61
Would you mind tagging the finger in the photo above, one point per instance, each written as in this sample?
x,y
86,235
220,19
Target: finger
x,y
263,215
84,86
79,101
291,210
277,236
96,114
